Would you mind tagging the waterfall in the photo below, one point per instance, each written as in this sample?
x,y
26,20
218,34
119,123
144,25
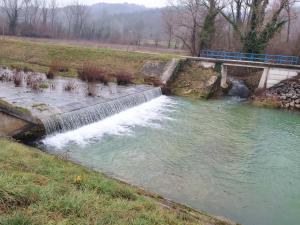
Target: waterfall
x,y
78,118
238,89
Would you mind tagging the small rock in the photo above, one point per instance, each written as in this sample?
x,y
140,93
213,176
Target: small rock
x,y
292,104
283,97
211,81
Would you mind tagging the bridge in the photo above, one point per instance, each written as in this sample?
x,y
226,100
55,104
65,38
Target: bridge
x,y
275,68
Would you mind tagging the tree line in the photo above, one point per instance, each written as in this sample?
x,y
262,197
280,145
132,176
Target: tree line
x,y
242,25
253,26
45,18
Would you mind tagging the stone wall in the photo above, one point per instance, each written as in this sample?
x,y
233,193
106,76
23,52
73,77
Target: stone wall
x,y
285,95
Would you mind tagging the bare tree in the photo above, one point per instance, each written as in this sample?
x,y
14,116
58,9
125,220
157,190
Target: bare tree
x,y
12,10
52,13
251,24
69,18
26,10
79,16
290,16
34,12
188,23
44,12
168,24
196,26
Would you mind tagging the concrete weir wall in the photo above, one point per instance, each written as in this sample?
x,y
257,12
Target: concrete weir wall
x,y
26,114
19,123
11,126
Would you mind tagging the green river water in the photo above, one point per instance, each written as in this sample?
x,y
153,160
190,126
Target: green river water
x,y
221,156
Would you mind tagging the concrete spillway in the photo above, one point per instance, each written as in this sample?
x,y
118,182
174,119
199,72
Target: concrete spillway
x,y
93,113
29,114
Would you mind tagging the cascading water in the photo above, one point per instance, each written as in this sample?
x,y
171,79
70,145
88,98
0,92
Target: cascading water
x,y
78,118
238,89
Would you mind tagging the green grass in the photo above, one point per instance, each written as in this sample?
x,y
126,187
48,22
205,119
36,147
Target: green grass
x,y
38,57
36,188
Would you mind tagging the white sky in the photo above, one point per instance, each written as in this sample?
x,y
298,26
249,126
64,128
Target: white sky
x,y
147,3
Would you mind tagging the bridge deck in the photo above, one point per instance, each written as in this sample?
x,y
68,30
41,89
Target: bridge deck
x,y
230,62
276,59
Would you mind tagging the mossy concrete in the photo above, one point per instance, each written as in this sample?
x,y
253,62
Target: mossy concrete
x,y
192,79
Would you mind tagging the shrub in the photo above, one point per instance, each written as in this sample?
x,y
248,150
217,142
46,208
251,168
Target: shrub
x,y
50,75
92,90
124,78
44,85
71,85
18,78
52,85
58,66
34,82
92,73
5,77
155,81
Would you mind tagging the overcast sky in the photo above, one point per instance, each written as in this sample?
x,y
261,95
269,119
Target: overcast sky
x,y
148,3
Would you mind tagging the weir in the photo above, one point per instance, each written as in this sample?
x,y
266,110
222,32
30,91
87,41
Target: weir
x,y
78,118
29,114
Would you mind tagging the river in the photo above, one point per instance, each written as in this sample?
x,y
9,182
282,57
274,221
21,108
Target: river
x,y
220,156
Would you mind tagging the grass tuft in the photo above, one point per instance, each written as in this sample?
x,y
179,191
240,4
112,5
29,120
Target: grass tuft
x,y
92,89
71,85
18,78
18,219
124,78
92,73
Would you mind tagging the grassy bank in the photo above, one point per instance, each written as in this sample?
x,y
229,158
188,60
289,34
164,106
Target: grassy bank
x,y
36,188
38,56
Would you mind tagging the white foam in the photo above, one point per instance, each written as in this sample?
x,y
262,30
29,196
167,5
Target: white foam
x,y
147,115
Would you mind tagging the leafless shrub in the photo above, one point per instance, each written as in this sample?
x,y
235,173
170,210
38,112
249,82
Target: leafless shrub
x,y
18,78
124,78
35,86
71,85
92,90
59,66
5,76
50,75
34,82
92,73
52,85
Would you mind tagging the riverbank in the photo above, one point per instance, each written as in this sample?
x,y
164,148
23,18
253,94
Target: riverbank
x,y
36,188
195,81
26,54
285,95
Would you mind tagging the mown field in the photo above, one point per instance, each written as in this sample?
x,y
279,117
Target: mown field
x,y
39,56
36,188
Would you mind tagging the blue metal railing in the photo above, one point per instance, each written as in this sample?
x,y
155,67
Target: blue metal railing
x,y
276,59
